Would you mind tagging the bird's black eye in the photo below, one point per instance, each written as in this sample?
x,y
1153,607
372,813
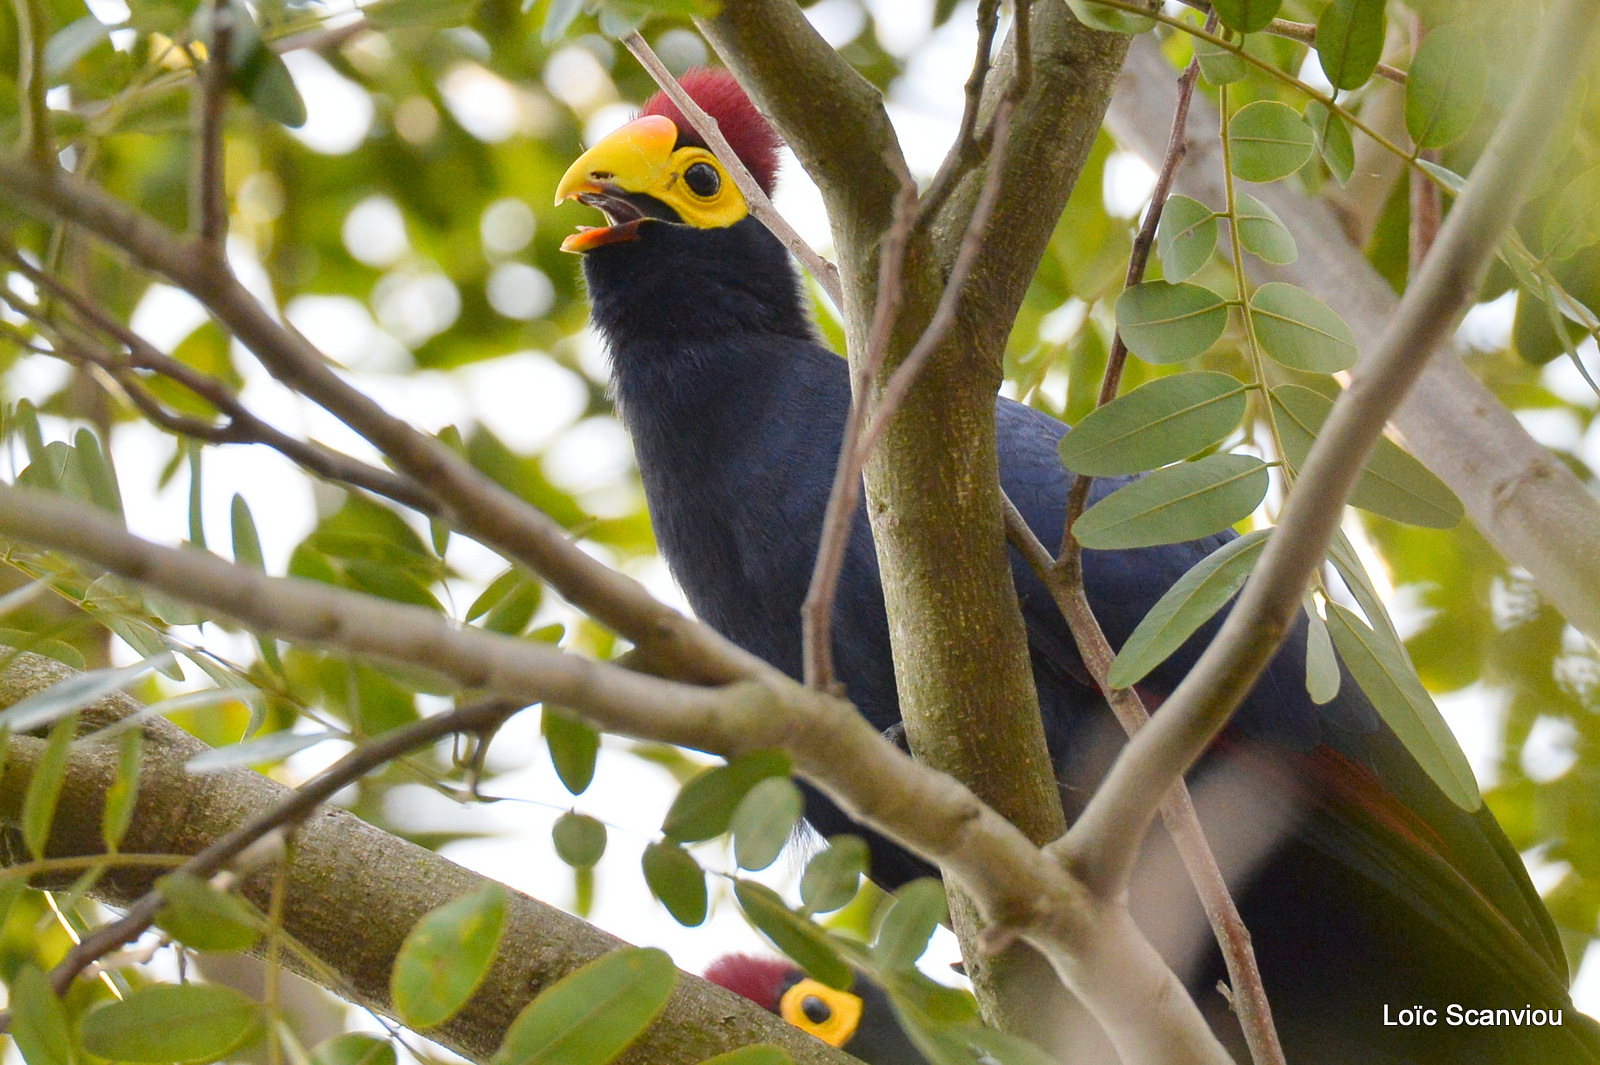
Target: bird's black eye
x,y
816,1010
702,179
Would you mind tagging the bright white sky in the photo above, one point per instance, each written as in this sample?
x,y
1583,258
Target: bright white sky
x,y
531,401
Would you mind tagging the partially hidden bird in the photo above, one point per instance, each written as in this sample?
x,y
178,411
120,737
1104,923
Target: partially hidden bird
x,y
859,1020
1390,925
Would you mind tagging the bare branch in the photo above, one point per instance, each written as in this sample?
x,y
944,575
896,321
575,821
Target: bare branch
x,y
1424,322
966,152
755,196
208,191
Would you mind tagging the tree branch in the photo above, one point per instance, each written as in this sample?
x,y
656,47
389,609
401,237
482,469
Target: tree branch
x,y
475,504
353,890
1093,946
208,189
1423,323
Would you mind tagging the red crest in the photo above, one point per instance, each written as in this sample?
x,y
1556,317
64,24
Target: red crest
x,y
721,96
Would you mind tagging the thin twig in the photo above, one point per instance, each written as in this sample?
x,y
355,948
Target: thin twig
x,y
1111,382
242,426
967,151
208,191
31,39
481,717
826,273
861,432
816,613
1100,871
476,505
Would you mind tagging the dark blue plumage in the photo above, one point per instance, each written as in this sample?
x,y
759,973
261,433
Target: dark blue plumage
x,y
1363,885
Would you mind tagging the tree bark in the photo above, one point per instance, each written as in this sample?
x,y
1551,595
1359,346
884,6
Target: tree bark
x,y
353,891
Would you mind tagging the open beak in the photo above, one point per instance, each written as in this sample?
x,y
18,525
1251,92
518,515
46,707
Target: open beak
x,y
632,160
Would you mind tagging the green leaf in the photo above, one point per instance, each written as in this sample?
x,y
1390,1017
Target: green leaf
x,y
354,1048
94,466
513,612
580,840
1333,140
1176,503
71,43
73,693
918,909
558,18
1393,484
199,916
1322,668
1185,237
1350,41
1164,323
805,943
446,956
756,1054
1099,17
704,807
1445,87
1218,65
39,1020
26,420
1165,421
833,876
763,822
1246,16
1387,677
1300,331
497,590
1268,141
260,75
44,786
1452,181
164,1023
194,452
1192,601
590,1015
677,881
123,793
574,747
1263,233
246,541
263,750
1574,222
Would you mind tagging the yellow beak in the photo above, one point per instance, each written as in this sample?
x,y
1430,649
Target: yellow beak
x,y
634,159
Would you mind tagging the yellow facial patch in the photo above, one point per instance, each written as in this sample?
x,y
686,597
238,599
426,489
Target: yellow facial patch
x,y
832,1016
639,159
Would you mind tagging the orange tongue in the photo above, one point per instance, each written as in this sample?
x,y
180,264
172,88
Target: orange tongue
x,y
590,237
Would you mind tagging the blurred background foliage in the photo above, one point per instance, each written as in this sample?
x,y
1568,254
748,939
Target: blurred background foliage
x,y
406,228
